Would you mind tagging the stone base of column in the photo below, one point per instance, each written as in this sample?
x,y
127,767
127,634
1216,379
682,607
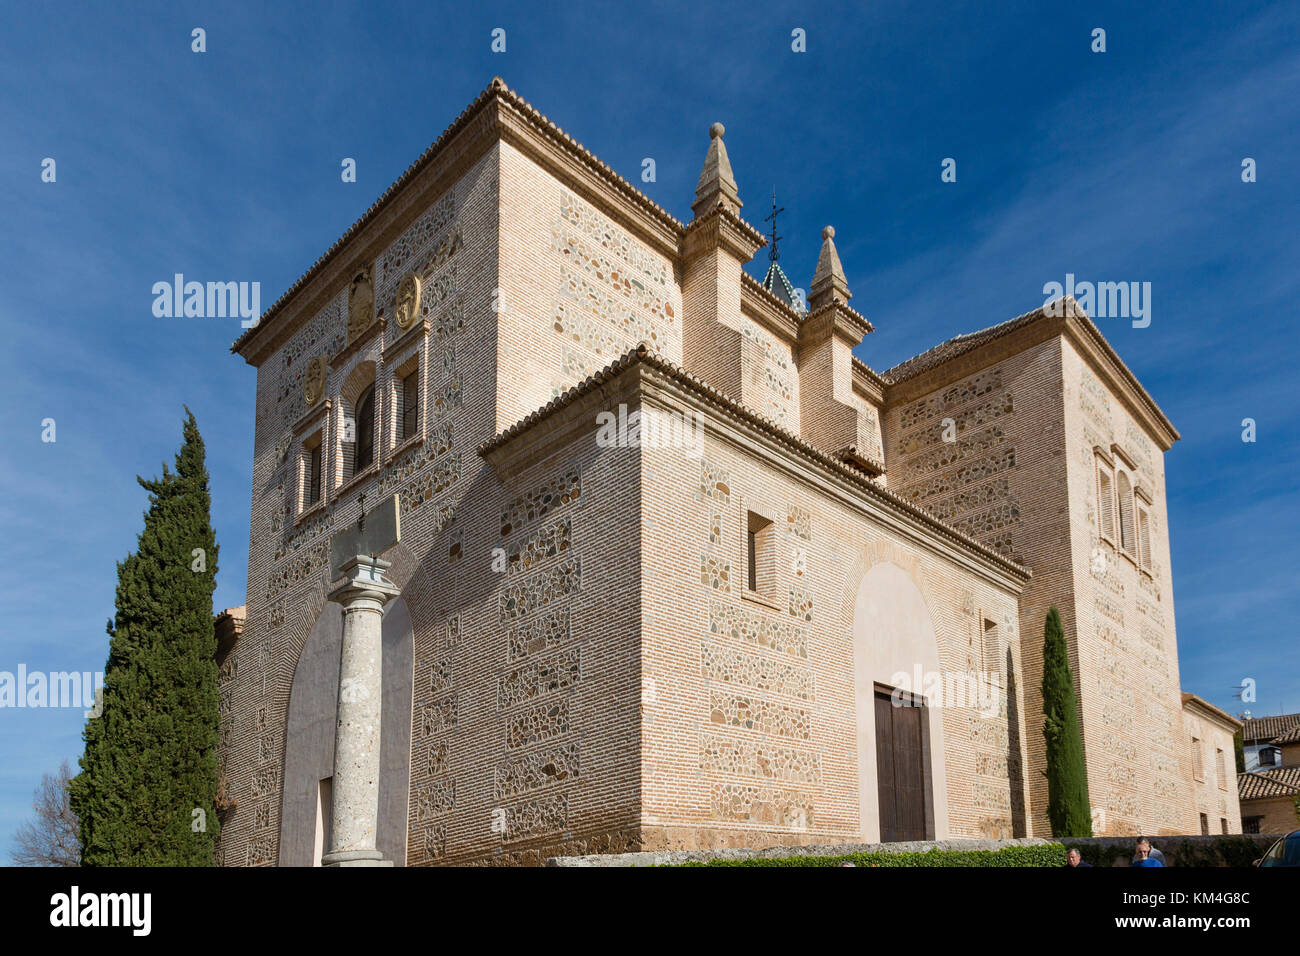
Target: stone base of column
x,y
355,858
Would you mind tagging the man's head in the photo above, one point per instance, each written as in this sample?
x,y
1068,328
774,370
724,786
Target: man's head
x,y
1074,857
1143,848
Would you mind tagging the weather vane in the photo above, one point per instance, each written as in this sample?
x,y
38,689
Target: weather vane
x,y
772,252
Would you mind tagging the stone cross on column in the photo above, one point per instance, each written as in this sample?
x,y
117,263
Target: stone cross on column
x,y
354,556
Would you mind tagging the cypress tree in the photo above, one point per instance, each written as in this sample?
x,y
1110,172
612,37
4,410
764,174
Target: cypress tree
x,y
1067,778
151,756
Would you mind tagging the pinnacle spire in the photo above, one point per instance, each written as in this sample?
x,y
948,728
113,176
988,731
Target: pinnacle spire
x,y
829,284
717,183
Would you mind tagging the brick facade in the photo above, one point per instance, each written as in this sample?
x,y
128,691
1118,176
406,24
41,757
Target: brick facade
x,y
591,670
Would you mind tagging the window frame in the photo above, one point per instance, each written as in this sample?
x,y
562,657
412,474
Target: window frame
x,y
1105,486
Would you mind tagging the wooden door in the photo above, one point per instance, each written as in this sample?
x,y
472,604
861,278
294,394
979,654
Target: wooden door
x,y
900,770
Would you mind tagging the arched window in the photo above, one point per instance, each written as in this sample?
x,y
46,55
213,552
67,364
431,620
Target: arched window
x,y
1126,536
365,449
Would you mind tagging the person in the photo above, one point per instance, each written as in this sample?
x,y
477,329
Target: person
x,y
1142,854
1157,855
1075,858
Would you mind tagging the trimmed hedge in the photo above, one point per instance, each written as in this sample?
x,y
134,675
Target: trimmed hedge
x,y
1231,851
1049,854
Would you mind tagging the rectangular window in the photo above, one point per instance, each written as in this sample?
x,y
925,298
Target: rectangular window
x,y
410,403
1223,824
761,556
1267,757
1105,503
1251,824
991,652
313,473
1198,761
1205,825
1144,538
1220,773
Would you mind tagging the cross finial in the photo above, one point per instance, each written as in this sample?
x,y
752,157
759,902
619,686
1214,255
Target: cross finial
x,y
772,252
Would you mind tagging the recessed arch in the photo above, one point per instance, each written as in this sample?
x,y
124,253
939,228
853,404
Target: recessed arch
x,y
310,729
893,634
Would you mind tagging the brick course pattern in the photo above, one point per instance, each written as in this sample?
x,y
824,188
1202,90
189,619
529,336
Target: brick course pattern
x,y
592,671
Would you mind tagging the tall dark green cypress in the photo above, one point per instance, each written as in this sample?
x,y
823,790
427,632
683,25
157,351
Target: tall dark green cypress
x,y
151,756
1068,808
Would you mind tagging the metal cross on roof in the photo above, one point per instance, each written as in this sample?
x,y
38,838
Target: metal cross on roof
x,y
772,252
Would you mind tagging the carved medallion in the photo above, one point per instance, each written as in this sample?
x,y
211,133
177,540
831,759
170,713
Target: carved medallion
x,y
313,383
408,301
361,304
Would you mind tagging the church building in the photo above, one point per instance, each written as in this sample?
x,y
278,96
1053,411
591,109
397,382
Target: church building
x,y
568,535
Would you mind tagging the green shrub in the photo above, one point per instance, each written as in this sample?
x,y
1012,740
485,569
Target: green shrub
x,y
1049,854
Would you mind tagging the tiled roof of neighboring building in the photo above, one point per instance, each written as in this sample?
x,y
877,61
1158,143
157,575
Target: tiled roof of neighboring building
x,y
1281,782
1291,736
1264,729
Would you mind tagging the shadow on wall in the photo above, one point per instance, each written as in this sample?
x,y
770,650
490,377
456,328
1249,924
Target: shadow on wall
x,y
309,740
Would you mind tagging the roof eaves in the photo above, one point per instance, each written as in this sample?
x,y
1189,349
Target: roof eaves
x,y
643,354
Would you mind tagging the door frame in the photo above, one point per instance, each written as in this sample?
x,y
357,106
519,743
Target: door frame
x,y
927,770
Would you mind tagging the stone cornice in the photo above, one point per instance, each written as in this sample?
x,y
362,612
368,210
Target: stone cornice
x,y
419,330
1205,709
1088,340
563,157
869,380
307,422
719,227
834,318
574,412
496,113
362,339
1033,329
766,309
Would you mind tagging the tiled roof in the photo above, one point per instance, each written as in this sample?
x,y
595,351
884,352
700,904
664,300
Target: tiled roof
x,y
497,88
1264,729
778,283
954,347
792,441
1281,782
1291,736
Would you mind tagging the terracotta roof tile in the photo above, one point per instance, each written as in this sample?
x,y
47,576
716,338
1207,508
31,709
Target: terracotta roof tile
x,y
1264,729
1282,782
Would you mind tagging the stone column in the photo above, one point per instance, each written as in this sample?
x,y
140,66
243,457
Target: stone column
x,y
354,816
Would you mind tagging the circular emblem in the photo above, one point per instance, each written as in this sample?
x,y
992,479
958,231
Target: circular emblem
x,y
408,301
313,386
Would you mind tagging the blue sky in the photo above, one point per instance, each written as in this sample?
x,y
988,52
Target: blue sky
x,y
1123,165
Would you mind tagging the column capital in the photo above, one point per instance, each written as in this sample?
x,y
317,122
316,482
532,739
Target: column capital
x,y
365,580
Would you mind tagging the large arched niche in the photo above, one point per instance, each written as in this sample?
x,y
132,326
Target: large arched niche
x,y
309,739
892,633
